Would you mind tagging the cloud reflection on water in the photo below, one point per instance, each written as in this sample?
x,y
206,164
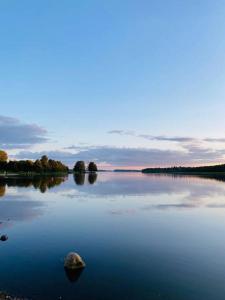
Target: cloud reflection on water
x,y
151,192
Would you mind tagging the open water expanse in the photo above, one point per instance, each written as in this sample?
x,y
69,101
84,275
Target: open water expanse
x,y
141,237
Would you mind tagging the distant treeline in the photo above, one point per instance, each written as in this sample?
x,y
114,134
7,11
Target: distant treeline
x,y
177,170
126,171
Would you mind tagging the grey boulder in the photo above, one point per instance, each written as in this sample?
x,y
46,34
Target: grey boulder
x,y
74,261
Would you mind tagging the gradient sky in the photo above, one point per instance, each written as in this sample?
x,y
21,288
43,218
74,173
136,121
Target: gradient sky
x,y
126,83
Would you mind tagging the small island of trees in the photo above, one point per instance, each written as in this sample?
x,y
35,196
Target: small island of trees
x,y
44,165
81,168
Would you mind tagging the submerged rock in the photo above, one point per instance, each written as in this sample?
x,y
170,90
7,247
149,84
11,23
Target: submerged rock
x,y
73,261
4,238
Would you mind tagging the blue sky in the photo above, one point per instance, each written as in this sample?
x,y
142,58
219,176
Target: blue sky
x,y
104,80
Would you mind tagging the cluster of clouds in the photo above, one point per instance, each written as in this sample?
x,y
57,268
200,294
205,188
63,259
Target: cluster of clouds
x,y
20,136
133,157
17,135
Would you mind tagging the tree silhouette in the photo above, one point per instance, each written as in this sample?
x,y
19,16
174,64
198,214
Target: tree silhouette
x,y
92,167
79,167
43,165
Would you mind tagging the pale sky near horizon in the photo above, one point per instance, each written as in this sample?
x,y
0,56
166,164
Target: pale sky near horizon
x,y
126,83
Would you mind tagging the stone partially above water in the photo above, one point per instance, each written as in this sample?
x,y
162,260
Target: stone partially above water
x,y
74,261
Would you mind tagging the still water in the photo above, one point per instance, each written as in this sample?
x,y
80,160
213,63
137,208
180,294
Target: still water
x,y
141,236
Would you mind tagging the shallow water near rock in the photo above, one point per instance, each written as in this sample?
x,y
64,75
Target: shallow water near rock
x,y
141,237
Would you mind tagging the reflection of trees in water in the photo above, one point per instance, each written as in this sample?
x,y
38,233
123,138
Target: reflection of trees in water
x,y
79,178
215,176
2,190
42,183
92,177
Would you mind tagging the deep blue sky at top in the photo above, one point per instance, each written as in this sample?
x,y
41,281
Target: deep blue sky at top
x,y
82,68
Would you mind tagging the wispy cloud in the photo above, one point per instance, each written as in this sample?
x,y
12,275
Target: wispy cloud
x,y
18,135
179,139
122,132
115,131
167,138
219,140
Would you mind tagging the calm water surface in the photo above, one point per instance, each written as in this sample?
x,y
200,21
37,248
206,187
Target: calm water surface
x,y
141,236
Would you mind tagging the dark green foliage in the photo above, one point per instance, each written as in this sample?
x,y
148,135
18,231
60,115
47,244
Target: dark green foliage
x,y
79,167
92,167
44,162
37,166
3,165
43,165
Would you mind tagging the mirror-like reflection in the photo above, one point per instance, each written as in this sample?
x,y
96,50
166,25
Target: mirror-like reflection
x,y
2,189
92,178
130,228
115,183
79,178
41,183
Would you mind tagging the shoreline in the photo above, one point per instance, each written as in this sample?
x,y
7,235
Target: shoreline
x,y
185,173
32,174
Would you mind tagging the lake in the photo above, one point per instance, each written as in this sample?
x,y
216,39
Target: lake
x,y
141,236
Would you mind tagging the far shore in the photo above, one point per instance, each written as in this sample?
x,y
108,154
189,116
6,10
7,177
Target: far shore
x,y
186,173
